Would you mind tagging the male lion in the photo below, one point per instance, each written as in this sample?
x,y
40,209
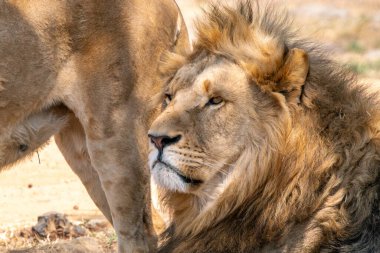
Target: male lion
x,y
84,72
264,144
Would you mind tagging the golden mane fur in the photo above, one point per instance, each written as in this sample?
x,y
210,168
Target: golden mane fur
x,y
312,183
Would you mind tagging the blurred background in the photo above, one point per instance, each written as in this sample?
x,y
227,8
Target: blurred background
x,y
348,29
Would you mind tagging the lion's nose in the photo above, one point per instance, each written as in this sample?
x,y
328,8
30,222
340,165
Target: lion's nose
x,y
162,141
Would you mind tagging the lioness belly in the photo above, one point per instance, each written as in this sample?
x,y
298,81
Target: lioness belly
x,y
26,73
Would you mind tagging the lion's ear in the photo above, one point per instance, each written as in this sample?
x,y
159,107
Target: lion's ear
x,y
292,75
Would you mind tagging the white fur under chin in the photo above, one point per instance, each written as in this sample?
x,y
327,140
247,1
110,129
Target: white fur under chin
x,y
167,178
164,176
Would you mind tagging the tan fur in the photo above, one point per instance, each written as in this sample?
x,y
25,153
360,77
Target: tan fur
x,y
85,72
289,161
24,138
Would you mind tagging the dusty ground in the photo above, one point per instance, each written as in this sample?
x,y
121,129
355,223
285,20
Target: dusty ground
x,y
349,29
48,184
39,185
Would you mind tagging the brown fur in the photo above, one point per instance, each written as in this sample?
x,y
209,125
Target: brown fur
x,y
85,71
288,162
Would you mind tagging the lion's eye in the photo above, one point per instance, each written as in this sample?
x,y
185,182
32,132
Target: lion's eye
x,y
215,101
168,98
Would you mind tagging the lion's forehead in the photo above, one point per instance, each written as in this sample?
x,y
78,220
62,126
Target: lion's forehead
x,y
218,77
187,99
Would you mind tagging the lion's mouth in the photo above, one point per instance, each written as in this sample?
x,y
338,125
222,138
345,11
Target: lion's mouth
x,y
185,179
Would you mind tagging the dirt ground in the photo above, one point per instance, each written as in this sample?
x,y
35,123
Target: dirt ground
x,y
349,29
36,186
42,184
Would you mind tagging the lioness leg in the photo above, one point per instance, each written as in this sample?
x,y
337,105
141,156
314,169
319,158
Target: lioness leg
x,y
116,153
125,187
71,141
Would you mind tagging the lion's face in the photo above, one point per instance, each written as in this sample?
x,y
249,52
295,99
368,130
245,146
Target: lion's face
x,y
211,112
215,109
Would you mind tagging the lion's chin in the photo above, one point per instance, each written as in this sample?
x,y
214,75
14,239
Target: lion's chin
x,y
172,179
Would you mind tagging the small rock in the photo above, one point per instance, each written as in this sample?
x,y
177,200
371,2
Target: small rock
x,y
96,224
76,207
51,224
30,186
77,231
56,225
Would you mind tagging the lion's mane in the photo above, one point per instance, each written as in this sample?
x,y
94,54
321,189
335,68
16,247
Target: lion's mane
x,y
315,189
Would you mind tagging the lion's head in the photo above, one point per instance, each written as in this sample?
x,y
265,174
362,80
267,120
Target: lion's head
x,y
220,104
211,118
254,125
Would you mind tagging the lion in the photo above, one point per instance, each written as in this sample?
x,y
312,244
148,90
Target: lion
x,y
84,72
263,143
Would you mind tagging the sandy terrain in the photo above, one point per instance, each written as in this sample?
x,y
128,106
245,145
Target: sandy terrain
x,y
38,185
34,187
